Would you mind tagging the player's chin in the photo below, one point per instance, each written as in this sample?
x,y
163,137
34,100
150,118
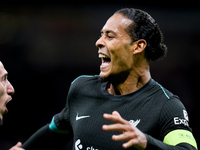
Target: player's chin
x,y
104,74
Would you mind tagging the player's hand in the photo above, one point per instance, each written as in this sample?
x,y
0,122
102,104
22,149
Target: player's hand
x,y
129,133
17,146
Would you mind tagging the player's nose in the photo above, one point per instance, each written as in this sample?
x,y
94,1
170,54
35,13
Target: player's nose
x,y
10,89
100,43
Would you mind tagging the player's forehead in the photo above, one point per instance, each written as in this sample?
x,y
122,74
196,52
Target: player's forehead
x,y
117,23
2,69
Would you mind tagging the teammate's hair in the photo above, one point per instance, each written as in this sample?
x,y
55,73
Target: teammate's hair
x,y
145,27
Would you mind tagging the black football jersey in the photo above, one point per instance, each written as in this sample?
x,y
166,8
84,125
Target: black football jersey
x,y
152,109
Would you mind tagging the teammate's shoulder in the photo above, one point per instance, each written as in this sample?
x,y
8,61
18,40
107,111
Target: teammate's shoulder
x,y
83,78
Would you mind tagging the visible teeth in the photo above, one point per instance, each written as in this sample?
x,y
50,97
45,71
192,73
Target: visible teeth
x,y
103,56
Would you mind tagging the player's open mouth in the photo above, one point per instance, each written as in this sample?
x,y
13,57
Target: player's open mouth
x,y
105,61
6,109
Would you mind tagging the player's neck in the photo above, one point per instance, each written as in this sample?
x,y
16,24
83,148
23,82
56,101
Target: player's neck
x,y
134,81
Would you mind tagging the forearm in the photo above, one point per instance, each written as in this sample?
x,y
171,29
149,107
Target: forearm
x,y
153,143
44,138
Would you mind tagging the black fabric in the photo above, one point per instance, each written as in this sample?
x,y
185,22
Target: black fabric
x,y
45,139
151,108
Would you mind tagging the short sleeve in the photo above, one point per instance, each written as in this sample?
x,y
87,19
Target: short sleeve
x,y
173,116
60,122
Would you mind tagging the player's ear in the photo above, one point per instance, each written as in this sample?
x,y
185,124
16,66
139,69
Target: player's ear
x,y
139,46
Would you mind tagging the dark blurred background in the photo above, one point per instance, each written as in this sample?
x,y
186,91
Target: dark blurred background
x,y
45,46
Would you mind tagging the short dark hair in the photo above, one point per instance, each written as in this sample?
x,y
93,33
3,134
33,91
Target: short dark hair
x,y
145,27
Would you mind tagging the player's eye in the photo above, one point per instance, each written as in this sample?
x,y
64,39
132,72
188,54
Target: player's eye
x,y
110,37
4,78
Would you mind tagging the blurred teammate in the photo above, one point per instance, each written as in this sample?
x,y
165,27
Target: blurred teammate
x,y
6,90
123,107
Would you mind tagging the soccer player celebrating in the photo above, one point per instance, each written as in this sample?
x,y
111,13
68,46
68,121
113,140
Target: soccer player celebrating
x,y
123,107
6,90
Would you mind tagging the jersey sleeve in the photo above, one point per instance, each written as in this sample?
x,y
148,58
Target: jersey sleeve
x,y
53,136
60,122
173,116
45,138
175,131
174,123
